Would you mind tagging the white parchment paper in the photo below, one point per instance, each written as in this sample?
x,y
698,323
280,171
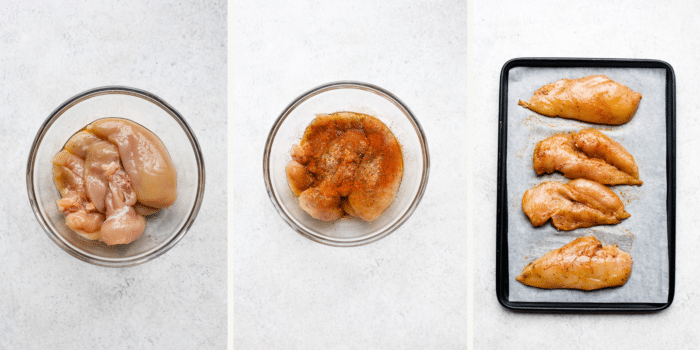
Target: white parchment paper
x,y
643,235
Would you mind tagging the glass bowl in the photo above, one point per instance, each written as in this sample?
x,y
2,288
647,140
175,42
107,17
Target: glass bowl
x,y
163,229
346,96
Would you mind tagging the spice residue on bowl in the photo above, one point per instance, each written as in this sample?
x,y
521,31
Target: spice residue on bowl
x,y
346,164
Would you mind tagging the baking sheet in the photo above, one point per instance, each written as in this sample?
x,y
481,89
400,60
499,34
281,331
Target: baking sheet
x,y
644,235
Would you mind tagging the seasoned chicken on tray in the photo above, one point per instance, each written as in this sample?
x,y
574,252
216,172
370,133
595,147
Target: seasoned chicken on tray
x,y
594,99
587,154
581,264
579,203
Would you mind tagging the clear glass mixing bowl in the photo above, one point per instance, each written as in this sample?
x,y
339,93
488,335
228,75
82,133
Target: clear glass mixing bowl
x,y
351,97
164,229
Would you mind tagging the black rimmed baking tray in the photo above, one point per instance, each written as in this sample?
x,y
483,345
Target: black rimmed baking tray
x,y
660,100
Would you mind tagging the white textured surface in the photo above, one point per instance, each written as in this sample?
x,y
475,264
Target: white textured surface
x,y
50,52
406,291
629,29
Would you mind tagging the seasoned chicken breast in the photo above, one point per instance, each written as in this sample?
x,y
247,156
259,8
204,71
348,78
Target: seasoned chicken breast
x,y
588,154
346,163
579,203
595,144
582,264
593,99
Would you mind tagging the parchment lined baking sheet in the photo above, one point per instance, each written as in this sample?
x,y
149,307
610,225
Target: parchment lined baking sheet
x,y
643,235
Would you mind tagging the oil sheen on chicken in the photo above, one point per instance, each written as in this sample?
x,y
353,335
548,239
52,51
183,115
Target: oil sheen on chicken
x,y
81,215
588,154
594,99
144,158
581,264
346,164
579,203
99,196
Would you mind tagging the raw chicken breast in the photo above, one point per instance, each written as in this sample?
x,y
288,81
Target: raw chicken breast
x,y
144,158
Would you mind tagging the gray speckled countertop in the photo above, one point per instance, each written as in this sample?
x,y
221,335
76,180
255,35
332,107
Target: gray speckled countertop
x,y
407,290
625,29
50,52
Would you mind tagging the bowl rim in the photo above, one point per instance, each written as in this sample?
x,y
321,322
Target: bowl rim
x,y
338,85
57,238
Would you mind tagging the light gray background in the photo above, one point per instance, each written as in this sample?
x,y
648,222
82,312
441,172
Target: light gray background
x,y
50,52
627,29
406,291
